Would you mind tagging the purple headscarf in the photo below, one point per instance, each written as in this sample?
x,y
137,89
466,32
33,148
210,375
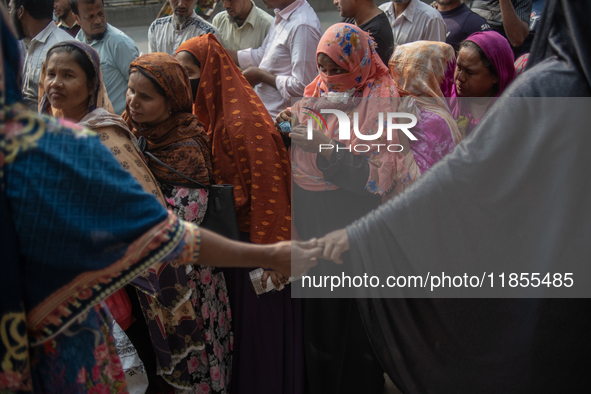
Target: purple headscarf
x,y
498,51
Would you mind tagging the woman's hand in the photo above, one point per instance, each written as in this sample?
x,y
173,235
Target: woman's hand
x,y
276,277
289,258
284,116
292,258
319,143
334,244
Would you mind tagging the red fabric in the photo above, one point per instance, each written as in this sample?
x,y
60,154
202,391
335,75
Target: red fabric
x,y
120,307
247,151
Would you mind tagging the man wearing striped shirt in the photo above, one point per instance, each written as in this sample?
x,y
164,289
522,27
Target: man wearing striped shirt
x,y
168,33
508,17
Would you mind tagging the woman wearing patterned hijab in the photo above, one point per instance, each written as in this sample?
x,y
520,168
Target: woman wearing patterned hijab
x,y
249,153
164,287
421,71
335,187
158,109
75,227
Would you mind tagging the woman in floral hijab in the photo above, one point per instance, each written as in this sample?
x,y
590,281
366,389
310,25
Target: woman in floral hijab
x,y
339,186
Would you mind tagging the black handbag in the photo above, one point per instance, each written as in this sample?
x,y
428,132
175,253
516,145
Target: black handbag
x,y
220,216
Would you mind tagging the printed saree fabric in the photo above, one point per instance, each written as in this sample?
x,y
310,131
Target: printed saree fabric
x,y
164,287
79,228
369,86
420,70
81,234
247,151
498,51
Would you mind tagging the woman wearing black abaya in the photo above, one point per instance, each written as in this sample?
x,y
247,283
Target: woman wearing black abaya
x,y
513,197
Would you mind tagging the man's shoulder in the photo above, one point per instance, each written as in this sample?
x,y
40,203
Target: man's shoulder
x,y
58,35
198,23
377,23
305,15
386,7
220,18
160,23
428,11
473,19
261,14
114,34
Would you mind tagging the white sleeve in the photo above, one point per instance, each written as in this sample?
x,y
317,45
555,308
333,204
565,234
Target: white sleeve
x,y
252,57
303,62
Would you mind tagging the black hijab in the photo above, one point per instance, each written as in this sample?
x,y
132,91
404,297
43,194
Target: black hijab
x,y
513,197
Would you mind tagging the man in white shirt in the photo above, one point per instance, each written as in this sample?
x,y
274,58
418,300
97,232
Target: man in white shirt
x,y
413,20
243,24
286,62
168,33
33,21
115,49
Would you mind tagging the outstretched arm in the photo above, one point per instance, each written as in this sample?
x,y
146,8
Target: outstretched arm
x,y
287,257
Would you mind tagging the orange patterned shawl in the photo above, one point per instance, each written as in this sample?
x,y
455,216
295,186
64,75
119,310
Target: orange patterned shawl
x,y
179,141
247,150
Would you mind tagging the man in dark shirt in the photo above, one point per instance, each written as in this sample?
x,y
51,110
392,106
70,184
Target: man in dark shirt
x,y
460,21
62,9
508,17
369,18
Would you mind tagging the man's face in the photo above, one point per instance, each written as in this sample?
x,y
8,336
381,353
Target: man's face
x,y
346,8
14,16
400,1
236,8
182,9
61,8
92,19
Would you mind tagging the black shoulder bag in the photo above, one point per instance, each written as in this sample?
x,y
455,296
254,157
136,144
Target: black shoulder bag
x,y
220,216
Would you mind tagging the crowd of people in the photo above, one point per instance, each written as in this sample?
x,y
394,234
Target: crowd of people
x,y
107,156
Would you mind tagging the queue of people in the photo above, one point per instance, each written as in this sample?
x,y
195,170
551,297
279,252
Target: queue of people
x,y
104,188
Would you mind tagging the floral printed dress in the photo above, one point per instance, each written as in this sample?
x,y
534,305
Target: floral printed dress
x,y
68,362
209,368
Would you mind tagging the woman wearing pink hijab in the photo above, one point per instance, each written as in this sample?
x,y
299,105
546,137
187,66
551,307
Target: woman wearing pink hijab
x,y
338,186
484,70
